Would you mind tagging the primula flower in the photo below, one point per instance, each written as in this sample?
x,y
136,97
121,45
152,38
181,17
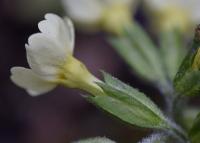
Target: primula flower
x,y
109,15
51,61
168,14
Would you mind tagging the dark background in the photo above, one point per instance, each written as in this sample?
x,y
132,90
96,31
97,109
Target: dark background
x,y
62,115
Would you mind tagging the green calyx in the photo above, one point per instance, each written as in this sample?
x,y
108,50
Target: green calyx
x,y
75,75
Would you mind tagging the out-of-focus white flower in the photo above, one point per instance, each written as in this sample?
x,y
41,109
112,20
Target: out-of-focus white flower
x,y
109,15
168,14
51,61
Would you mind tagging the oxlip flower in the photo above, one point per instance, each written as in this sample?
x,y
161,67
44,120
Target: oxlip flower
x,y
51,60
107,15
168,14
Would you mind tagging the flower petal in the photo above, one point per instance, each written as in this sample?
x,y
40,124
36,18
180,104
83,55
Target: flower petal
x,y
45,56
27,79
58,29
71,34
84,11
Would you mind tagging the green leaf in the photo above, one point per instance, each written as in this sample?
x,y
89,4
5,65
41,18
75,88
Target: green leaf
x,y
172,51
141,40
189,84
140,53
188,116
129,105
186,80
133,58
95,140
194,133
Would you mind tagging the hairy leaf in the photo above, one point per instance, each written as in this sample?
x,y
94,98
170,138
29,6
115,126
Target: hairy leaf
x,y
155,138
129,105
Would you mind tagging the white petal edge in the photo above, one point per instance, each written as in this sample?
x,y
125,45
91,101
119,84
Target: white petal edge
x,y
27,79
69,25
58,29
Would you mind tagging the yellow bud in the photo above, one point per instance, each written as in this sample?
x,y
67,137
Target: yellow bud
x,y
196,62
75,75
116,17
172,17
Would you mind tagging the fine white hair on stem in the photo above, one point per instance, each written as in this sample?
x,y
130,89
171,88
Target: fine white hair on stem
x,y
154,138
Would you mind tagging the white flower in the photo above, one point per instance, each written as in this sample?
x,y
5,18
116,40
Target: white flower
x,y
181,14
106,14
50,57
